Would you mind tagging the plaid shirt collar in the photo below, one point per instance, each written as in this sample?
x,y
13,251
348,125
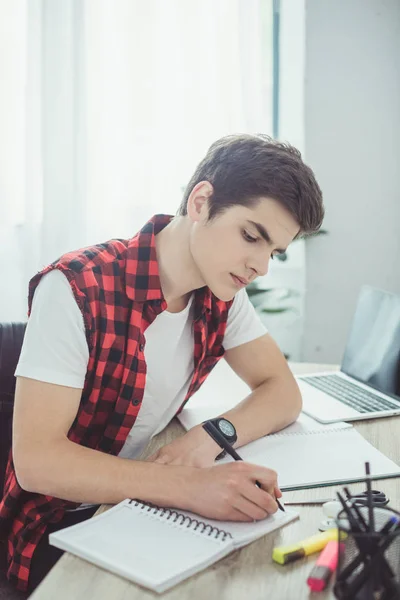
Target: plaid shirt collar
x,y
142,282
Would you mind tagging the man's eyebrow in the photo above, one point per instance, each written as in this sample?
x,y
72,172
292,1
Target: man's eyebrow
x,y
264,234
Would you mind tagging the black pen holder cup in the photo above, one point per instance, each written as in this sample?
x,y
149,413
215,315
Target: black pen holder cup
x,y
368,562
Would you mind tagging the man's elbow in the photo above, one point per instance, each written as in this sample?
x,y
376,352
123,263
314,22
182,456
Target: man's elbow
x,y
296,401
28,470
24,476
290,398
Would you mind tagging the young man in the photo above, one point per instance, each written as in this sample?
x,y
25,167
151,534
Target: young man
x,y
121,334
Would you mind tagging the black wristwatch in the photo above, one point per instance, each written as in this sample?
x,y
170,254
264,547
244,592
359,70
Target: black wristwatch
x,y
225,428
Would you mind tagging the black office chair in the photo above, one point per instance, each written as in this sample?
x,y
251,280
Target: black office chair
x,y
11,337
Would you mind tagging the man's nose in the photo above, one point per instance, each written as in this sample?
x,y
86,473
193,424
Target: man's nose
x,y
260,264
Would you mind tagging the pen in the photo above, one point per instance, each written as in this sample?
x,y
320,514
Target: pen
x,y
223,443
371,517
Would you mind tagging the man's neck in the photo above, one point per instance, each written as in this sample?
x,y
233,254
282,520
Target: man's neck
x,y
179,275
179,305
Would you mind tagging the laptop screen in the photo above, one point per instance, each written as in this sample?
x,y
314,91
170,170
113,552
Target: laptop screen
x,y
372,352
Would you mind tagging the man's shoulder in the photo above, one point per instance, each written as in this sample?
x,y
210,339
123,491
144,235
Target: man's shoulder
x,y
96,257
95,267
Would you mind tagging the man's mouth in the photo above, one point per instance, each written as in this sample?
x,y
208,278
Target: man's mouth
x,y
239,281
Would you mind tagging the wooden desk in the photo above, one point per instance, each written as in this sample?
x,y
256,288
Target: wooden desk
x,y
247,573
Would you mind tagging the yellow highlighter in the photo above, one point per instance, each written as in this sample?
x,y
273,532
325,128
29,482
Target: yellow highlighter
x,y
287,554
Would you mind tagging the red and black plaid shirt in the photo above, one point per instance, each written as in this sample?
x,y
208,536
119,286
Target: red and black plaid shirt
x,y
117,287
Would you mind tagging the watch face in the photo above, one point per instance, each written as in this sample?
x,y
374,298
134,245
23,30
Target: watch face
x,y
226,428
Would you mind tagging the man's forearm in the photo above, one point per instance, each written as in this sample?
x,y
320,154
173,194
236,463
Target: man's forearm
x,y
271,406
72,472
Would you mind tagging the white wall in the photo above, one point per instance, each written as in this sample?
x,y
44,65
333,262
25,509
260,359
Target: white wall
x,y
352,141
291,71
288,328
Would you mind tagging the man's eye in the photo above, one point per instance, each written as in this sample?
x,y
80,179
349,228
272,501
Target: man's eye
x,y
273,256
248,237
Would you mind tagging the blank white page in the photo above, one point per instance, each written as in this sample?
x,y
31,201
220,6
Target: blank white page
x,y
141,546
317,458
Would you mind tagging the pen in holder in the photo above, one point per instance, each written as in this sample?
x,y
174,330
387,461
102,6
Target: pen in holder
x,y
369,552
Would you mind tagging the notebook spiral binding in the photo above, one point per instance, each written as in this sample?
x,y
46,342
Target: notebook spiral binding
x,y
183,520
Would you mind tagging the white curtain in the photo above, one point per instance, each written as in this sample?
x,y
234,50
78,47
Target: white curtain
x,y
106,107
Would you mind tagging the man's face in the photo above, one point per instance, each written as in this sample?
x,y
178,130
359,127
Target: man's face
x,y
234,248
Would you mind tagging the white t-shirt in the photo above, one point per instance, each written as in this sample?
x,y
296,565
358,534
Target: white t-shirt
x,y
55,351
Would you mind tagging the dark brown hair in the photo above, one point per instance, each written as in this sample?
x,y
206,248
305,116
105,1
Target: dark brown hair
x,y
243,168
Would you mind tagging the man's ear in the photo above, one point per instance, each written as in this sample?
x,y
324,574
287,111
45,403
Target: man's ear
x,y
197,204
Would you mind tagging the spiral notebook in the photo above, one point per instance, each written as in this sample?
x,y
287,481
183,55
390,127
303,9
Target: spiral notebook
x,y
307,454
156,547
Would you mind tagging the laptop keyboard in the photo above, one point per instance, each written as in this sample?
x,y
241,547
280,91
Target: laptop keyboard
x,y
346,392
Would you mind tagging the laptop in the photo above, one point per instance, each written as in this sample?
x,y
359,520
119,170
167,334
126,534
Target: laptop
x,y
368,383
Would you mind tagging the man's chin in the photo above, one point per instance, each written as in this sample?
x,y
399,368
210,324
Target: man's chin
x,y
224,295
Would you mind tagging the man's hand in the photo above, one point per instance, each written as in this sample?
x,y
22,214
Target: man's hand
x,y
194,449
228,492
